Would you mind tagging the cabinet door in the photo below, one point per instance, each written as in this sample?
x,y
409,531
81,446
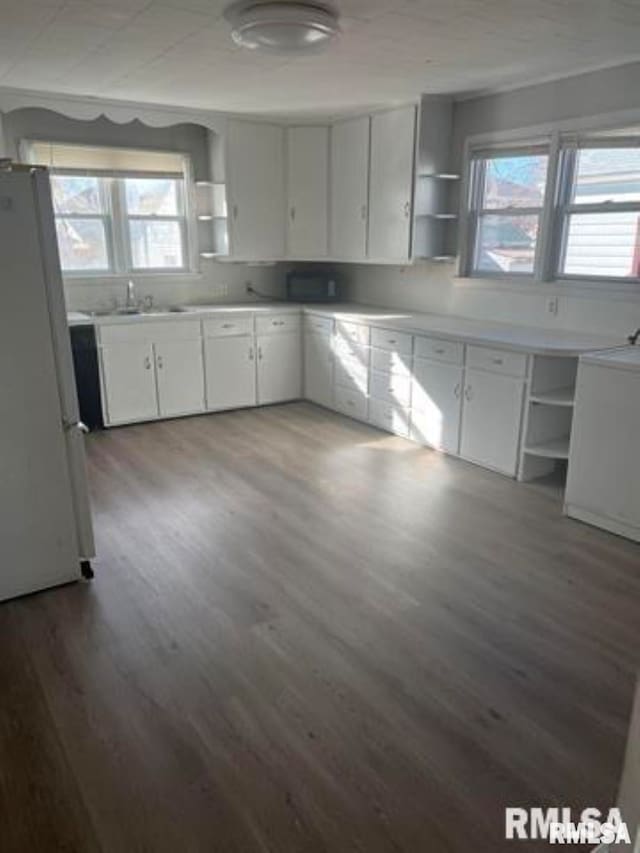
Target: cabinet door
x,y
318,369
231,372
180,377
436,399
604,462
349,187
255,176
491,416
279,368
391,183
308,189
129,382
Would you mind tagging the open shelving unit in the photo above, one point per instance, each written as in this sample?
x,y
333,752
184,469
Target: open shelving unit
x,y
431,216
211,215
548,416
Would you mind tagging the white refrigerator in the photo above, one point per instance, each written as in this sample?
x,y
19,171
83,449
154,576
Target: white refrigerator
x,y
46,533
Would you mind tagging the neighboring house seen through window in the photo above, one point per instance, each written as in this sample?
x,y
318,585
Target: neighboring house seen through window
x,y
117,211
584,224
508,194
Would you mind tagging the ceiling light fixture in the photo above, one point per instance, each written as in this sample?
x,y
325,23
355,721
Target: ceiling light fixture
x,y
284,28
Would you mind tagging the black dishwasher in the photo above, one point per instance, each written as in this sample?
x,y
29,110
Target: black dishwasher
x,y
85,363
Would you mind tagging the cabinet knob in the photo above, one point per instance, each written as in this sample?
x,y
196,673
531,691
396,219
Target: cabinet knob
x,y
160,362
456,391
407,209
259,353
228,325
468,393
292,214
234,210
439,351
250,353
147,363
498,361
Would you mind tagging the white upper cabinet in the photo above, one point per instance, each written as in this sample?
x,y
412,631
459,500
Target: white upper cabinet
x,y
308,191
391,184
349,188
255,190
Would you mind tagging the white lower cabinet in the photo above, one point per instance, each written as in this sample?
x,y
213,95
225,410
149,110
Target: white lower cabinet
x,y
129,382
180,377
318,368
351,402
390,417
231,372
492,414
279,367
151,370
436,400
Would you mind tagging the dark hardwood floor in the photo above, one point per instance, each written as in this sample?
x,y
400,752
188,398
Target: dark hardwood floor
x,y
307,636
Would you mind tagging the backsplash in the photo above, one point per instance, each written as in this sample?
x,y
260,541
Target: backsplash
x,y
434,287
218,282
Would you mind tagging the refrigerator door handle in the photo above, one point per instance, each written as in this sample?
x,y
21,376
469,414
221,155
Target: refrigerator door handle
x,y
69,425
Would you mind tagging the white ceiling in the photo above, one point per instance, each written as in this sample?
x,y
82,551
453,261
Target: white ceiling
x,y
179,52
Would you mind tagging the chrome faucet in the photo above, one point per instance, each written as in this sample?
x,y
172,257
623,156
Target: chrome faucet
x,y
131,295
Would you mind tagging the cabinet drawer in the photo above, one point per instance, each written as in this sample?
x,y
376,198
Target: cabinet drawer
x,y
391,388
352,332
229,324
388,339
171,330
275,323
439,350
386,416
351,374
497,360
318,325
348,351
351,402
389,361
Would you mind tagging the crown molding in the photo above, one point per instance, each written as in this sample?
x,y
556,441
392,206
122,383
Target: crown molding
x,y
121,112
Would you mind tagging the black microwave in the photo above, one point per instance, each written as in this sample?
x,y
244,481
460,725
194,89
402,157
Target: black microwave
x,y
312,287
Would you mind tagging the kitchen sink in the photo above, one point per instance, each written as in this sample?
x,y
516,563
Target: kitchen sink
x,y
137,312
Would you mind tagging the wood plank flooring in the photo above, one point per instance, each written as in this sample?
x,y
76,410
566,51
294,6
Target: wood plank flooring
x,y
305,636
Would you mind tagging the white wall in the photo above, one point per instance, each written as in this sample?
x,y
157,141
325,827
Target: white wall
x,y
434,287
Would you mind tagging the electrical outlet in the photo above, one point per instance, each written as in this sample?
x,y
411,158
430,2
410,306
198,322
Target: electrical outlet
x,y
220,290
552,306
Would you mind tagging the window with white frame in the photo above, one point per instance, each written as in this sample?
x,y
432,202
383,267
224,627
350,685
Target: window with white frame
x,y
507,196
599,227
117,211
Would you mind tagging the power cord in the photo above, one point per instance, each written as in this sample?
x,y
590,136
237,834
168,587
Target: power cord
x,y
251,289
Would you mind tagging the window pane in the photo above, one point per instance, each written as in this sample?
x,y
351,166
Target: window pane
x,y
603,244
506,244
515,181
152,196
82,244
73,194
155,245
607,174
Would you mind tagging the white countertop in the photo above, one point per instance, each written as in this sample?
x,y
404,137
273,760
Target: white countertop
x,y
625,358
503,335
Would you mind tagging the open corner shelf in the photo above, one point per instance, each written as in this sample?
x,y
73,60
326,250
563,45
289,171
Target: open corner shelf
x,y
555,397
552,448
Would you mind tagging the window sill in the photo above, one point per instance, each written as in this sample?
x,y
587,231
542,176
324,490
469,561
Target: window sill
x,y
114,278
